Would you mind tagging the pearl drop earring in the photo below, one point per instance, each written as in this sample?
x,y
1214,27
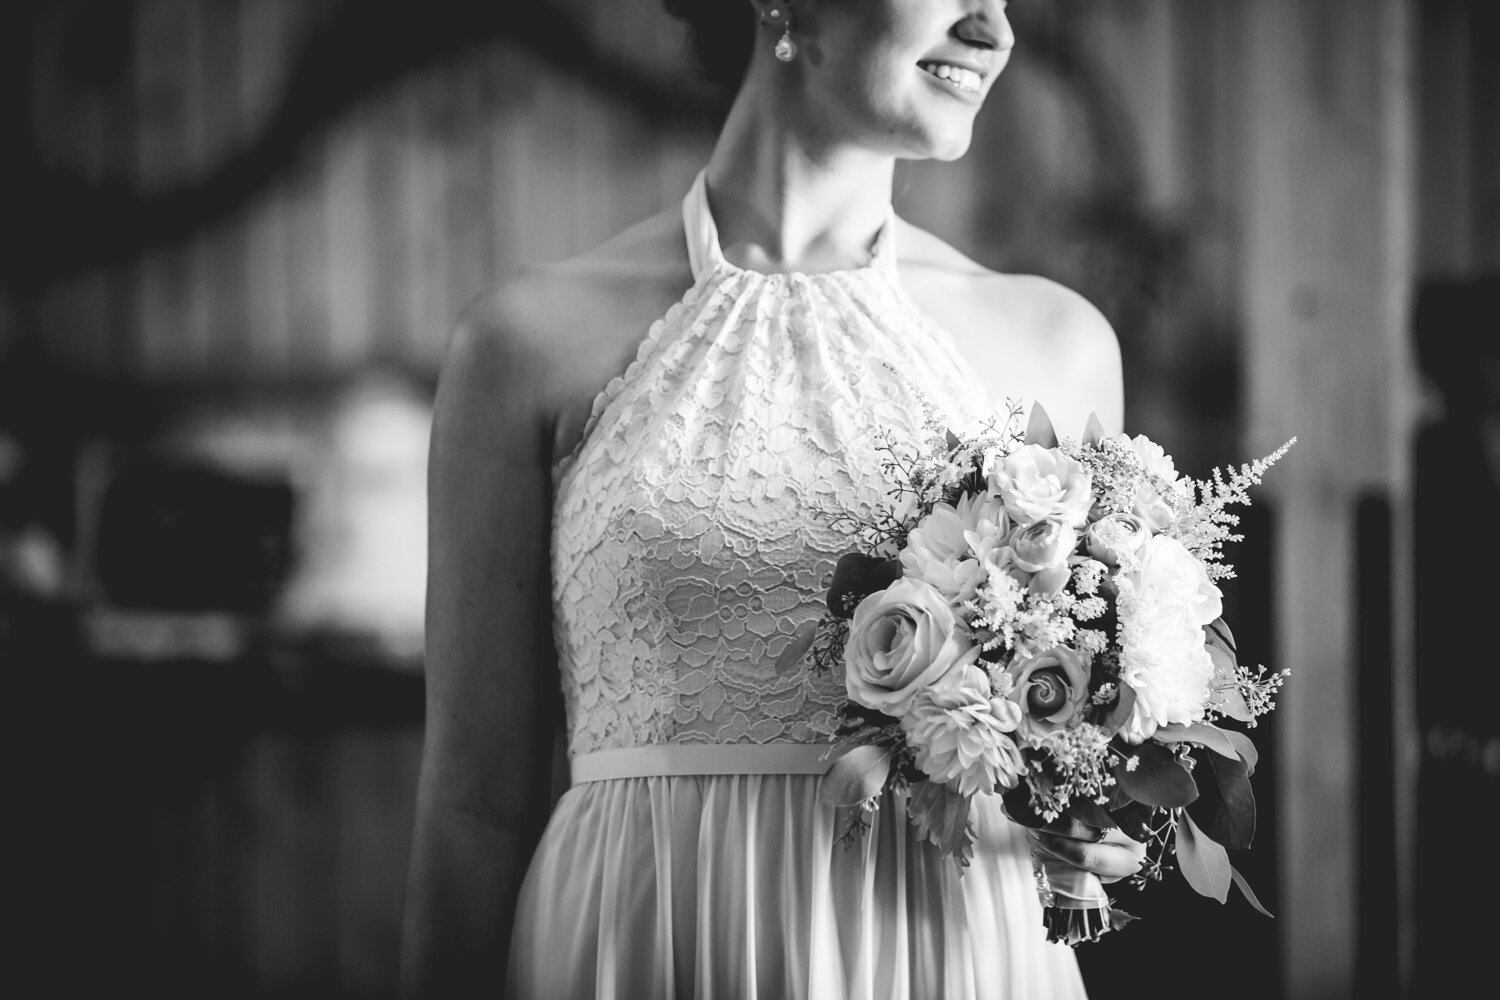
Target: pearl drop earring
x,y
786,49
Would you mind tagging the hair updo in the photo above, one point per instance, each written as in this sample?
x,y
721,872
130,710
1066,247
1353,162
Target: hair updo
x,y
723,36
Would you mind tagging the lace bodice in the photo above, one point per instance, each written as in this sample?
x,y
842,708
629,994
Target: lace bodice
x,y
686,546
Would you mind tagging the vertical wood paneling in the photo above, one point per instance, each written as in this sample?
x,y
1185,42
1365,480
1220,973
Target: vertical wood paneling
x,y
1329,261
424,212
310,349
347,194
264,35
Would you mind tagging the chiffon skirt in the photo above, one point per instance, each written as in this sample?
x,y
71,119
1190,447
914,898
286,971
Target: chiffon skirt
x,y
734,887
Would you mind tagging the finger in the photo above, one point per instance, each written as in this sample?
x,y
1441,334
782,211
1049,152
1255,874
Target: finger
x,y
1067,826
1110,860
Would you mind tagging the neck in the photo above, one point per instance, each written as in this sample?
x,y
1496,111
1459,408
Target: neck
x,y
785,195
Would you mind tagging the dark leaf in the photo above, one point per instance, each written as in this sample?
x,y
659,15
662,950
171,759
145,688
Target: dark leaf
x,y
1204,863
796,649
1225,808
1156,778
857,576
1120,714
1239,880
1133,819
856,776
1089,812
1245,747
1017,805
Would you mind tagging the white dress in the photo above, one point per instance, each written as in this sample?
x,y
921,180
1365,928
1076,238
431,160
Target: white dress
x,y
692,858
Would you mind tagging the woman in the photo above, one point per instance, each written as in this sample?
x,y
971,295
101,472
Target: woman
x,y
659,514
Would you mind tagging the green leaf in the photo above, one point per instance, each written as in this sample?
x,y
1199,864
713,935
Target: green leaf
x,y
1226,807
801,642
1093,430
1039,428
1239,880
857,576
856,776
1245,747
1201,734
1157,778
1120,714
1089,812
1217,633
1133,819
1204,863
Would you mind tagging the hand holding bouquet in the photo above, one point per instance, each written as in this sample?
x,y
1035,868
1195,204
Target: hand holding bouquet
x,y
1041,620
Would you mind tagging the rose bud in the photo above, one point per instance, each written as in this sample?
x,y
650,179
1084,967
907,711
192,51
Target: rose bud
x,y
1052,689
1115,536
857,576
1043,545
1046,693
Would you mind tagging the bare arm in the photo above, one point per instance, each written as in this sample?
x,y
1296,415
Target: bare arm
x,y
492,707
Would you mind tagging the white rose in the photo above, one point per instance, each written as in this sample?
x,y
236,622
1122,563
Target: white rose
x,y
960,733
1035,483
1114,537
1043,545
901,639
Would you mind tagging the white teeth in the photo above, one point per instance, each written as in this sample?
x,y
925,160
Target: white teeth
x,y
963,79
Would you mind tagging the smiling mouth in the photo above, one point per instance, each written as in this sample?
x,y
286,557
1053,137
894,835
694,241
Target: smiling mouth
x,y
959,77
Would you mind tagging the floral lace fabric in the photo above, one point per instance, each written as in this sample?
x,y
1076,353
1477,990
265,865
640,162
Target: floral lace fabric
x,y
687,544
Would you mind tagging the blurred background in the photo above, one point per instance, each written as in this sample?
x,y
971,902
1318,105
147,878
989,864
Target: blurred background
x,y
236,234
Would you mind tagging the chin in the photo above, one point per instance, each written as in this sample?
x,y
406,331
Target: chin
x,y
944,145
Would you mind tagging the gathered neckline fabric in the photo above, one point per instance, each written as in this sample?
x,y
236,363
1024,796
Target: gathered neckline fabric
x,y
690,542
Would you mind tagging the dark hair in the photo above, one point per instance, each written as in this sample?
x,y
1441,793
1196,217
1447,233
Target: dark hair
x,y
723,34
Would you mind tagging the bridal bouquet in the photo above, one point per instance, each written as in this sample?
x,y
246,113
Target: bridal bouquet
x,y
1041,619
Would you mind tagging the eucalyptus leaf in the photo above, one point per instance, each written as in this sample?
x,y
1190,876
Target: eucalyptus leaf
x,y
1200,734
1120,714
1204,863
795,650
1133,820
1093,430
856,776
1085,810
1039,428
1217,633
1226,807
1245,747
1156,778
1239,880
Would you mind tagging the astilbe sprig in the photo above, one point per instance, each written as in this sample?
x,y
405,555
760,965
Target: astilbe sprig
x,y
1203,524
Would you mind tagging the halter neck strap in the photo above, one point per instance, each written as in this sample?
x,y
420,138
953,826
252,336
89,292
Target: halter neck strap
x,y
705,253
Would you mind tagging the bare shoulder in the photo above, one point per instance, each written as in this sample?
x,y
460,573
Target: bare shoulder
x,y
550,336
1032,338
